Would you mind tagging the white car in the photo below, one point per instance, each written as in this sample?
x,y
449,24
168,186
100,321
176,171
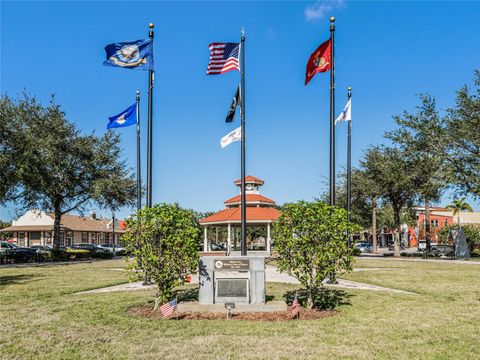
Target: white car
x,y
119,250
422,245
364,247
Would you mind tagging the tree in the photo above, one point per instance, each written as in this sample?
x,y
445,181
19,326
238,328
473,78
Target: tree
x,y
165,238
3,235
365,190
461,143
311,240
390,169
459,205
417,136
56,167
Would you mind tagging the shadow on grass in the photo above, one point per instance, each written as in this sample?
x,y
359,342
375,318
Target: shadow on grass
x,y
15,279
324,299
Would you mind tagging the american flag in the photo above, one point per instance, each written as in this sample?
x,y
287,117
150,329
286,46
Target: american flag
x,y
295,306
167,309
223,58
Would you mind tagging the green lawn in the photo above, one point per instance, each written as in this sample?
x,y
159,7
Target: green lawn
x,y
41,317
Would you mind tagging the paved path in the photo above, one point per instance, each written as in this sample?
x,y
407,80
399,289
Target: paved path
x,y
272,275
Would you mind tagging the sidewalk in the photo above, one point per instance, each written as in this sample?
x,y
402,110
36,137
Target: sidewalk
x,y
271,274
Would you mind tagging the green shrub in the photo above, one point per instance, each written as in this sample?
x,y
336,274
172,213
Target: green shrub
x,y
356,252
312,243
43,257
102,255
164,241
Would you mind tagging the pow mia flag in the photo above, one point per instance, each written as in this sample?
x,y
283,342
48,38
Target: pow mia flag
x,y
233,106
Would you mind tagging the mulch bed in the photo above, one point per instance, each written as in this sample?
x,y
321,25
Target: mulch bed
x,y
147,311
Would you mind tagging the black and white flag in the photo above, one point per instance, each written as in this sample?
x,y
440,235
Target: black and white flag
x,y
233,106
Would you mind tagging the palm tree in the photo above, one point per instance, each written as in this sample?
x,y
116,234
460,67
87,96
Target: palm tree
x,y
459,205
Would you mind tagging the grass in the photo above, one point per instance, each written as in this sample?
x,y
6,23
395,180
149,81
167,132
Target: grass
x,y
42,318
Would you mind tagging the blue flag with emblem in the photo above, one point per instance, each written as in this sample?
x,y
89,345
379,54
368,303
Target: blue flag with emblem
x,y
125,118
136,55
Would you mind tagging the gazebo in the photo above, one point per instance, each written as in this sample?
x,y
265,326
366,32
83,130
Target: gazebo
x,y
222,230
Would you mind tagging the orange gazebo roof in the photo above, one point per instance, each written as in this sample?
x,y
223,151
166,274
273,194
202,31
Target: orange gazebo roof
x,y
234,215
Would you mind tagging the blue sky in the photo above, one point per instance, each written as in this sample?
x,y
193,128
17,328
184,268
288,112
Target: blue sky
x,y
387,51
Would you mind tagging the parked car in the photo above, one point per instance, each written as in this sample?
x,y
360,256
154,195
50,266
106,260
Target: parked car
x,y
119,250
364,247
219,247
16,253
89,247
391,246
41,248
422,245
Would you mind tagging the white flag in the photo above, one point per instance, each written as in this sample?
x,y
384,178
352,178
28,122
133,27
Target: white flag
x,y
235,135
346,114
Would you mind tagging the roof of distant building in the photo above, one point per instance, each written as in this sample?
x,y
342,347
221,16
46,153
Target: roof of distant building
x,y
35,220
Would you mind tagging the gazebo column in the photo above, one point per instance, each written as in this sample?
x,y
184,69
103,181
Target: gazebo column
x,y
229,238
205,239
269,239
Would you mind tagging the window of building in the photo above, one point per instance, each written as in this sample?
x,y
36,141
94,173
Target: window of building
x,y
69,238
445,222
35,235
62,238
21,239
434,223
92,238
48,238
84,237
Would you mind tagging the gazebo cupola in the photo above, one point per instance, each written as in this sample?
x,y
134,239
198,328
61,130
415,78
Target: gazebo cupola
x,y
222,229
252,194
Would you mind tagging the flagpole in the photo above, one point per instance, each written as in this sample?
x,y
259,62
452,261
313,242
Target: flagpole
x,y
139,177
332,113
349,161
149,130
242,102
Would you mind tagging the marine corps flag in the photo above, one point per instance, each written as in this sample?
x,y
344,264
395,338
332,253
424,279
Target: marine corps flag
x,y
319,61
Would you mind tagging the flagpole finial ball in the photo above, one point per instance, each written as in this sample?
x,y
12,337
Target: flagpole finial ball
x,y
151,25
332,19
138,92
349,88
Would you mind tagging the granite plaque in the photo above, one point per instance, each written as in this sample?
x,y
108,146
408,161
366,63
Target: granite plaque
x,y
232,265
232,288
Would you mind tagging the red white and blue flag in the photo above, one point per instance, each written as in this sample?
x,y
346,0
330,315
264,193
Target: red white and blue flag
x,y
223,58
295,306
168,308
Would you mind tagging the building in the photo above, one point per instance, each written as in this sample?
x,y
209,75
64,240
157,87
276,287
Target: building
x,y
222,230
35,227
440,217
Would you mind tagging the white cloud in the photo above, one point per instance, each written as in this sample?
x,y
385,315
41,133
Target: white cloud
x,y
322,8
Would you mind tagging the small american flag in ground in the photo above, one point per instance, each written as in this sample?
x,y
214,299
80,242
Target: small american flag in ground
x,y
223,58
295,306
167,309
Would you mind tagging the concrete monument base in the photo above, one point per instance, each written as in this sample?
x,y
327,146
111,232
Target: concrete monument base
x,y
271,306
232,279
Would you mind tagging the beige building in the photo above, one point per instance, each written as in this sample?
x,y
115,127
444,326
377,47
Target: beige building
x,y
463,217
35,227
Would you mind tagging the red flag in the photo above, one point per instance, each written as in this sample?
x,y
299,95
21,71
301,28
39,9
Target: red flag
x,y
319,61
